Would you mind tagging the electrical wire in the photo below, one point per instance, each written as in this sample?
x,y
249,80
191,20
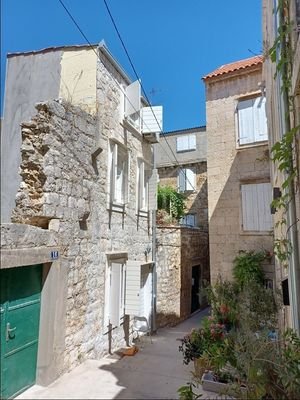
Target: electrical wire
x,y
144,91
134,70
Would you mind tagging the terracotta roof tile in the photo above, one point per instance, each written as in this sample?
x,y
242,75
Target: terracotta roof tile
x,y
235,66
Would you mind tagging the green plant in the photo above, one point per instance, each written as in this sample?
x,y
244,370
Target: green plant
x,y
247,267
186,392
171,201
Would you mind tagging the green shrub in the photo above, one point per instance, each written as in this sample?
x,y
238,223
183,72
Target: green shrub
x,y
171,201
247,267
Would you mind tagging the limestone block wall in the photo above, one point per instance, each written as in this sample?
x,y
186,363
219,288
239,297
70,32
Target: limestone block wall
x,y
178,250
65,189
196,202
227,169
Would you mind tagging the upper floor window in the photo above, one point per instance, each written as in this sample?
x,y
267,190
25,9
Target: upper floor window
x,y
188,220
186,179
256,212
143,175
118,174
186,143
252,121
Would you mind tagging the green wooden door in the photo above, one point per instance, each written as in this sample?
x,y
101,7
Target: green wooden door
x,y
20,315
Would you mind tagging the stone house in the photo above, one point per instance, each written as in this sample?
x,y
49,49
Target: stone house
x,y
182,250
77,200
279,123
187,172
239,188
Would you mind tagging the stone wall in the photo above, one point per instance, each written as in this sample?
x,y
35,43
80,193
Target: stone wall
x,y
227,168
196,202
178,250
64,188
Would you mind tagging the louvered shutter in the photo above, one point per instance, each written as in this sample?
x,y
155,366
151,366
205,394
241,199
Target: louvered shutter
x,y
115,294
182,143
264,191
245,122
256,200
133,287
132,98
260,119
152,191
152,119
192,142
181,179
190,179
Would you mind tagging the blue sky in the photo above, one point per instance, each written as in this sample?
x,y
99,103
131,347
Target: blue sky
x,y
172,43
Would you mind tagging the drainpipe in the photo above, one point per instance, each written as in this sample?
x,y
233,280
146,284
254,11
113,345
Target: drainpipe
x,y
294,259
154,273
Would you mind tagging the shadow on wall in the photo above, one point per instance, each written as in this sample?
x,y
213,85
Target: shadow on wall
x,y
227,238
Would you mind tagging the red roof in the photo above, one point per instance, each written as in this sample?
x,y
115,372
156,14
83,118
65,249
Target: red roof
x,y
235,66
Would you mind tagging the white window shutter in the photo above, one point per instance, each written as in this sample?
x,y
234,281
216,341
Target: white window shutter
x,y
152,191
133,287
256,200
264,191
245,122
260,119
152,119
115,294
180,144
132,98
190,179
192,142
181,179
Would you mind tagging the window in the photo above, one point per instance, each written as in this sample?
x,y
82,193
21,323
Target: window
x,y
118,174
186,179
252,121
115,293
256,213
186,143
188,220
143,175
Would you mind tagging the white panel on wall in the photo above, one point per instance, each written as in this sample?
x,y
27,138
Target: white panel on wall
x,y
152,119
133,286
260,119
133,98
245,121
115,293
190,179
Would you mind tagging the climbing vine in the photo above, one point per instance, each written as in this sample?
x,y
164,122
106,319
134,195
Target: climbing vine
x,y
284,151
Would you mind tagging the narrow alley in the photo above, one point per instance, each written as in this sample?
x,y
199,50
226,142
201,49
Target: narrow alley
x,y
155,372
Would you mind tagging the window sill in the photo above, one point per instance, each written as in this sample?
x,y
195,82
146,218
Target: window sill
x,y
117,207
250,145
142,213
256,233
185,151
128,125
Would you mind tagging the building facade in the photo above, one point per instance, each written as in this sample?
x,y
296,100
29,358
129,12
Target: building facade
x,y
182,249
78,196
283,113
239,188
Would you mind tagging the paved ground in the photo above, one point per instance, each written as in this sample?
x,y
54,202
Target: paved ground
x,y
155,372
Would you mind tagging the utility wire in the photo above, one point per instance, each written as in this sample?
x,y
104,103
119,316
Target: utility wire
x,y
144,91
134,70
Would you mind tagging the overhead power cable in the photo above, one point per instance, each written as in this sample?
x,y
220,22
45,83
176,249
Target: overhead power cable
x,y
136,75
143,90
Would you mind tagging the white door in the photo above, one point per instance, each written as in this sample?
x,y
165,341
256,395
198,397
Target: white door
x,y
146,292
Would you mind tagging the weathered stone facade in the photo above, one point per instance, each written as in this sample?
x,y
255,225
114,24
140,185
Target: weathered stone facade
x,y
179,249
65,189
286,270
228,167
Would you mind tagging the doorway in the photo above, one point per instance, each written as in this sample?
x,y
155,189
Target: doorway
x,y
20,301
195,290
